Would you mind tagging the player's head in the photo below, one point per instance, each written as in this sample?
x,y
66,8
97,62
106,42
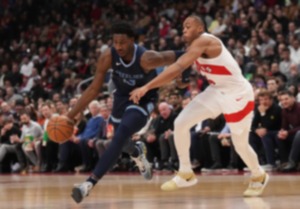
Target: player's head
x,y
123,38
193,26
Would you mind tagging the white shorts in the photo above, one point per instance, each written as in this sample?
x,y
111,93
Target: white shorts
x,y
237,107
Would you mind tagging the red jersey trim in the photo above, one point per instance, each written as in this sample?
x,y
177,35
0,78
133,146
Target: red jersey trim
x,y
213,69
238,116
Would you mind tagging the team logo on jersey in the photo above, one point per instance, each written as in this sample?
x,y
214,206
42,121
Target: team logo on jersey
x,y
129,82
206,69
212,69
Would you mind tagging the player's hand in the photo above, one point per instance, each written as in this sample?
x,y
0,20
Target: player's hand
x,y
70,120
137,94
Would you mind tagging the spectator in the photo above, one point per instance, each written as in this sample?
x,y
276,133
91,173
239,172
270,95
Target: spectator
x,y
11,96
265,127
15,77
218,143
294,73
31,137
26,67
272,87
284,65
69,152
200,137
49,148
175,101
6,110
290,124
10,143
161,135
105,133
295,51
86,139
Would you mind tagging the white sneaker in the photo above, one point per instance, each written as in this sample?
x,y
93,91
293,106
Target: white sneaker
x,y
81,190
15,167
142,163
179,181
257,185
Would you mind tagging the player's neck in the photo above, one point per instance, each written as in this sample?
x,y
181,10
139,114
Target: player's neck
x,y
129,56
196,36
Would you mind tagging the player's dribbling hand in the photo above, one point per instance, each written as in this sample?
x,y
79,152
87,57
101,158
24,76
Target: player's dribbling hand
x,y
137,94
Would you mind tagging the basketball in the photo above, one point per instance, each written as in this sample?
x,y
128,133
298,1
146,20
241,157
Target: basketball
x,y
60,129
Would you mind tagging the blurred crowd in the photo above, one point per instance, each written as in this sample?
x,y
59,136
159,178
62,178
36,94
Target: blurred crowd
x,y
48,49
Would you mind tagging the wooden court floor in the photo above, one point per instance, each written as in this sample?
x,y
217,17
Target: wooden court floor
x,y
132,192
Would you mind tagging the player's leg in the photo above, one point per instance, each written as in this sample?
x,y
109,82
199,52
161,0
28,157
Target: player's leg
x,y
138,150
200,108
132,121
259,178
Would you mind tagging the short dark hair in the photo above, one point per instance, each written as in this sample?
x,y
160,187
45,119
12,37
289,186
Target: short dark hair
x,y
199,19
265,93
25,112
123,28
285,92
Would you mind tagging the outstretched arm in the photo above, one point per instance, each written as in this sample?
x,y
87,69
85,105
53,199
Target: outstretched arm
x,y
103,64
187,59
153,59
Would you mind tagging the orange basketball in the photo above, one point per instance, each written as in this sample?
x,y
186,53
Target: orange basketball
x,y
60,129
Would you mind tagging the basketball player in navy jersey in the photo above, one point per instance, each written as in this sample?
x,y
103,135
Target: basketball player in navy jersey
x,y
133,66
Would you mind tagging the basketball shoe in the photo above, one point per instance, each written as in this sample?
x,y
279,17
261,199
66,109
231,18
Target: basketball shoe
x,y
141,161
80,191
257,185
179,181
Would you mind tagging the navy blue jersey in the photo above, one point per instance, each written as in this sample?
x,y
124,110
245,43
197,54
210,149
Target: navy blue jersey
x,y
127,77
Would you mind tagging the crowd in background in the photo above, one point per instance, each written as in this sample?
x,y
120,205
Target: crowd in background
x,y
48,48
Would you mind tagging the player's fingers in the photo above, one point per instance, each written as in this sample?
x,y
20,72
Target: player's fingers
x,y
132,97
136,99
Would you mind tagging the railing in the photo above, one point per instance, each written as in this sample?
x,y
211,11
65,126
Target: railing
x,y
87,80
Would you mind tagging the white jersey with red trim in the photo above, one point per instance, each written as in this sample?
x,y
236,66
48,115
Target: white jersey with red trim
x,y
222,72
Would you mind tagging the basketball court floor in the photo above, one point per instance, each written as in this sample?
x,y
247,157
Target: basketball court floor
x,y
130,191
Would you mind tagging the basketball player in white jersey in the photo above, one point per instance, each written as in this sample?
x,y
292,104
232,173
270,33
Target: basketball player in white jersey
x,y
229,93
